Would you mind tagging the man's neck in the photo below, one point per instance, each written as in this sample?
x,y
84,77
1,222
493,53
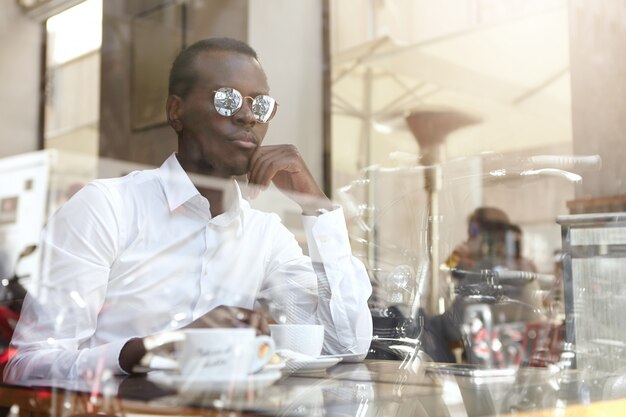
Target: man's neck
x,y
216,200
214,195
191,165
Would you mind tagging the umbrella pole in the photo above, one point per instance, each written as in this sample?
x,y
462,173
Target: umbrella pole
x,y
432,185
430,128
367,157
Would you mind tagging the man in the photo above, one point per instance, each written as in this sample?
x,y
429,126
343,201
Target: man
x,y
492,242
131,257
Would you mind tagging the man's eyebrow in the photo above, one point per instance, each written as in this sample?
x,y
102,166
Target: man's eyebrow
x,y
255,93
252,94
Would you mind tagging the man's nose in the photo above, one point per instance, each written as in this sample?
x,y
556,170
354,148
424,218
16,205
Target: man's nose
x,y
245,115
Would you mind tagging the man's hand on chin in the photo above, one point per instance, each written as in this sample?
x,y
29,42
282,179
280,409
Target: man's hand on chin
x,y
283,165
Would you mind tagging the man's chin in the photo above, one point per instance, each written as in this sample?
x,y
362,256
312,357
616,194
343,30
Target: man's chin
x,y
240,170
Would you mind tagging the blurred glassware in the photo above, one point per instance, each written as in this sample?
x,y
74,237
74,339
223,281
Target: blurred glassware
x,y
399,286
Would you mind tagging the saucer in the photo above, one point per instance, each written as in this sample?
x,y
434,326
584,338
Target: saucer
x,y
310,365
197,384
346,357
274,366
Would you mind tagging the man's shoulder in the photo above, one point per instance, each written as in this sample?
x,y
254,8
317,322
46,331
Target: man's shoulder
x,y
260,218
130,181
256,213
137,187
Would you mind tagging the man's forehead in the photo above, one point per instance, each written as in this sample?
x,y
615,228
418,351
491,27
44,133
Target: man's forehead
x,y
222,68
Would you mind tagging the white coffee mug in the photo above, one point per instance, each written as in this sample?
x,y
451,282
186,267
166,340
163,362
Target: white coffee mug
x,y
303,338
221,352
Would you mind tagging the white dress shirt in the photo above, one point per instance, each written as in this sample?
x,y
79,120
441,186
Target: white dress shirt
x,y
138,255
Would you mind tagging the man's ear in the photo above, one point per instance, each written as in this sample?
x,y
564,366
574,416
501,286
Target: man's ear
x,y
173,111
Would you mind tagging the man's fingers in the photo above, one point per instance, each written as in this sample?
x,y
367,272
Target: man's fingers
x,y
240,317
267,170
259,322
233,317
256,161
263,327
259,172
255,319
268,161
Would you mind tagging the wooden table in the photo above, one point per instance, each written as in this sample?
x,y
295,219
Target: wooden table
x,y
373,388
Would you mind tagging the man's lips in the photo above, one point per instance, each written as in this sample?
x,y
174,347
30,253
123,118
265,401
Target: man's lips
x,y
245,140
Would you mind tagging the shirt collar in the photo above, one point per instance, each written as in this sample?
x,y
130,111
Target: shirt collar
x,y
233,203
179,189
176,183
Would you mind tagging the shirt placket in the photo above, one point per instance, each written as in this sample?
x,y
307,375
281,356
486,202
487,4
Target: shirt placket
x,y
200,206
206,296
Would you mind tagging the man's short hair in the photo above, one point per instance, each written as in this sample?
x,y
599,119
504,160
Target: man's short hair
x,y
183,74
487,219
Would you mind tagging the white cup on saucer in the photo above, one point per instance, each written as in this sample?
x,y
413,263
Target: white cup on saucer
x,y
217,353
302,338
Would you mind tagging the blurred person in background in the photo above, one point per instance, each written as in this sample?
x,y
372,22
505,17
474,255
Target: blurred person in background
x,y
492,242
131,257
493,247
495,244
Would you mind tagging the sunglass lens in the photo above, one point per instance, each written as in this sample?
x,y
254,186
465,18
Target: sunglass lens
x,y
227,101
264,108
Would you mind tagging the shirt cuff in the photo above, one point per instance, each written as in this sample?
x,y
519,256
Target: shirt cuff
x,y
106,356
327,235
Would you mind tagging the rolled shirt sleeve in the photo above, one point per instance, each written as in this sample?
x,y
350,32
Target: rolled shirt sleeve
x,y
343,283
61,310
330,287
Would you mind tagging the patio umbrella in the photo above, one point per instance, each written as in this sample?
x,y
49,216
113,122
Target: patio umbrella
x,y
513,76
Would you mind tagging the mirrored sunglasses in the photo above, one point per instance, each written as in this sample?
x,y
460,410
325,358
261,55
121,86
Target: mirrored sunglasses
x,y
228,101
